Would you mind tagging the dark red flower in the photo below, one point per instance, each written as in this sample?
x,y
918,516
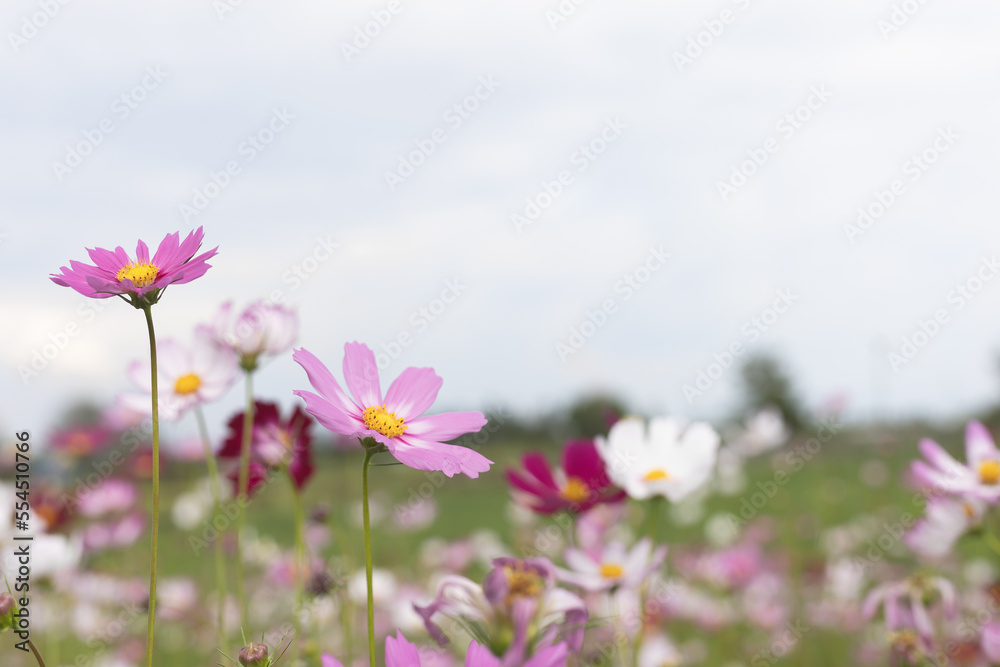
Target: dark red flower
x,y
581,484
274,444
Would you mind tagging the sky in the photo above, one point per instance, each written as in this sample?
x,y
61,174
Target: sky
x,y
542,199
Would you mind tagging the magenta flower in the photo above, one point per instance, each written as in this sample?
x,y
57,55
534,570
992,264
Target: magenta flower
x,y
978,478
142,279
582,483
395,421
275,444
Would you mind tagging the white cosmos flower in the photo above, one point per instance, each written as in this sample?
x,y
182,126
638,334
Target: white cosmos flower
x,y
667,459
185,377
613,566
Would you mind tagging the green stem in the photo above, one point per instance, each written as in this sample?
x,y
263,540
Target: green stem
x,y
38,657
653,517
300,549
243,494
369,453
220,558
156,487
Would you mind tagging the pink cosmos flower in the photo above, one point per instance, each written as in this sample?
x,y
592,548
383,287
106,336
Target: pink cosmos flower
x,y
109,497
945,521
142,279
518,607
263,328
978,478
905,603
581,484
990,642
395,420
186,377
614,567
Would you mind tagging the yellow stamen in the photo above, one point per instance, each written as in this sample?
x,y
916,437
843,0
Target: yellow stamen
x,y
611,570
657,475
187,384
575,490
141,273
377,418
521,582
989,472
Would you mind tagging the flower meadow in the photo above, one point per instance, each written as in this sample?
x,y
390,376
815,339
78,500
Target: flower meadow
x,y
356,523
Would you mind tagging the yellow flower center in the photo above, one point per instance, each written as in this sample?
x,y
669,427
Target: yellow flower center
x,y
575,490
989,472
657,475
611,570
377,418
141,274
521,582
187,384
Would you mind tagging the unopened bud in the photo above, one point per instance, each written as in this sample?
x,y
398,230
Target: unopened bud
x,y
253,654
6,604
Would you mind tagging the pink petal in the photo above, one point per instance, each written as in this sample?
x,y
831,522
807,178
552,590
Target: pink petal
x,y
328,660
446,426
553,656
538,466
413,392
428,455
480,656
323,381
400,653
581,460
939,458
166,253
361,374
979,445
330,415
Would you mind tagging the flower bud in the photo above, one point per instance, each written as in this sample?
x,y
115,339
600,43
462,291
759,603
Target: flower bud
x,y
253,654
6,604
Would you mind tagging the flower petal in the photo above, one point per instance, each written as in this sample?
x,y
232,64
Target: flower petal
x,y
413,392
446,426
429,455
361,374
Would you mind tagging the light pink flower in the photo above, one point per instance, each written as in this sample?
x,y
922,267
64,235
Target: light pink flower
x,y
185,377
141,279
903,602
395,420
614,567
979,477
263,328
108,497
945,521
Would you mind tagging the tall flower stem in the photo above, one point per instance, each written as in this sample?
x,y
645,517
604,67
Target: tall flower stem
x,y
243,487
369,453
653,517
216,488
38,657
299,569
147,309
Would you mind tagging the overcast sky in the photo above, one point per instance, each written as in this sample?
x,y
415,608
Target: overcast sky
x,y
738,138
